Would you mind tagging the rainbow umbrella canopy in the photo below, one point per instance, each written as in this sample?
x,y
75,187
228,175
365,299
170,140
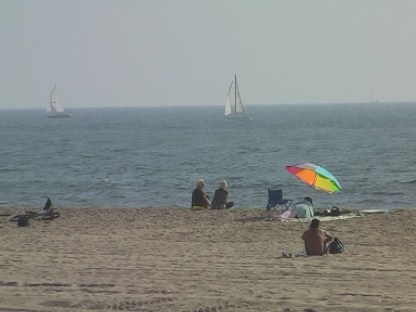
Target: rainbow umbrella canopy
x,y
315,176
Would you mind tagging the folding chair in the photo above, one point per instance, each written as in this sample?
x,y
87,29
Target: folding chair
x,y
276,199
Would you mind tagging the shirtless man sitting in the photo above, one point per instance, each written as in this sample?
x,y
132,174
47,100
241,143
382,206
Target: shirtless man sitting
x,y
316,240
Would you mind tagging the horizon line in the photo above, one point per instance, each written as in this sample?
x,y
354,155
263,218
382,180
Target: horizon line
x,y
217,105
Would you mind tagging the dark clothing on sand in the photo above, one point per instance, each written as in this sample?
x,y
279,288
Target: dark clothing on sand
x,y
198,198
220,200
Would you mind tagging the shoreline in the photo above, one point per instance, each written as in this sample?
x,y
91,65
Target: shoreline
x,y
176,259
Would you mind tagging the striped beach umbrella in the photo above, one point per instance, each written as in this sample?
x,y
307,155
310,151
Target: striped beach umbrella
x,y
315,176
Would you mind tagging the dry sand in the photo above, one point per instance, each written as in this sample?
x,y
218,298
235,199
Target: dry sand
x,y
210,260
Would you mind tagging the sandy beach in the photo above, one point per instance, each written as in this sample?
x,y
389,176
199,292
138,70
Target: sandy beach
x,y
209,260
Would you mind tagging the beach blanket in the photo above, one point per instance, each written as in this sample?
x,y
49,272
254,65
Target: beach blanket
x,y
321,218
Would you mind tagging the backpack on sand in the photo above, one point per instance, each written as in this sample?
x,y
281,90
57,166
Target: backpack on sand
x,y
336,246
332,212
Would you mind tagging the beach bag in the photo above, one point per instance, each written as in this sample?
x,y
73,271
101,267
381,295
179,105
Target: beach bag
x,y
336,246
335,212
332,212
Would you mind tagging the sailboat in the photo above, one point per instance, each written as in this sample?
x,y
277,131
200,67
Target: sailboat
x,y
374,98
234,106
55,108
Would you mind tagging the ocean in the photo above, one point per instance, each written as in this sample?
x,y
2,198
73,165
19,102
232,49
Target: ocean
x,y
151,157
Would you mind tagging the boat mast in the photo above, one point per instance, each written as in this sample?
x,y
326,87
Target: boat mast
x,y
235,95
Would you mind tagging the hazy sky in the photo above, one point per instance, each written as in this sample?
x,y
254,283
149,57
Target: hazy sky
x,y
160,52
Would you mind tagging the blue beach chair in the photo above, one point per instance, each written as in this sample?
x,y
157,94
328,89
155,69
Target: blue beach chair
x,y
276,200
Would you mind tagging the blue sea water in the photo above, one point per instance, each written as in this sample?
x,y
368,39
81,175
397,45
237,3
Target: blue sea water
x,y
151,157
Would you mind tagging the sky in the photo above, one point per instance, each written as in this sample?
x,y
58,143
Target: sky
x,y
185,52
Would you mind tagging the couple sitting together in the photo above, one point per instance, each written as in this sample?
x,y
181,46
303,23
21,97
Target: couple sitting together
x,y
201,200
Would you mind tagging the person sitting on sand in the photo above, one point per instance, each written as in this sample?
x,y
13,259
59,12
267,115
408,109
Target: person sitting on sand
x,y
221,197
199,199
316,240
303,209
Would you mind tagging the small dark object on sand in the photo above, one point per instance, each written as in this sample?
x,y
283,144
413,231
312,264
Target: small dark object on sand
x,y
22,221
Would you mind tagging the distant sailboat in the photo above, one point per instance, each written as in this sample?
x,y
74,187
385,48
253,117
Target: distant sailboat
x,y
55,108
374,97
234,106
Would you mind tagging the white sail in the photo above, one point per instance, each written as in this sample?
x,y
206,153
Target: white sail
x,y
239,109
228,109
54,103
55,108
234,105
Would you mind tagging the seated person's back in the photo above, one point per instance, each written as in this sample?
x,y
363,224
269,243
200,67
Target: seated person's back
x,y
199,199
221,197
316,240
304,209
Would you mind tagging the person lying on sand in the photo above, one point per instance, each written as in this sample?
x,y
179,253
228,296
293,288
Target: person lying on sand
x,y
316,240
220,200
199,199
